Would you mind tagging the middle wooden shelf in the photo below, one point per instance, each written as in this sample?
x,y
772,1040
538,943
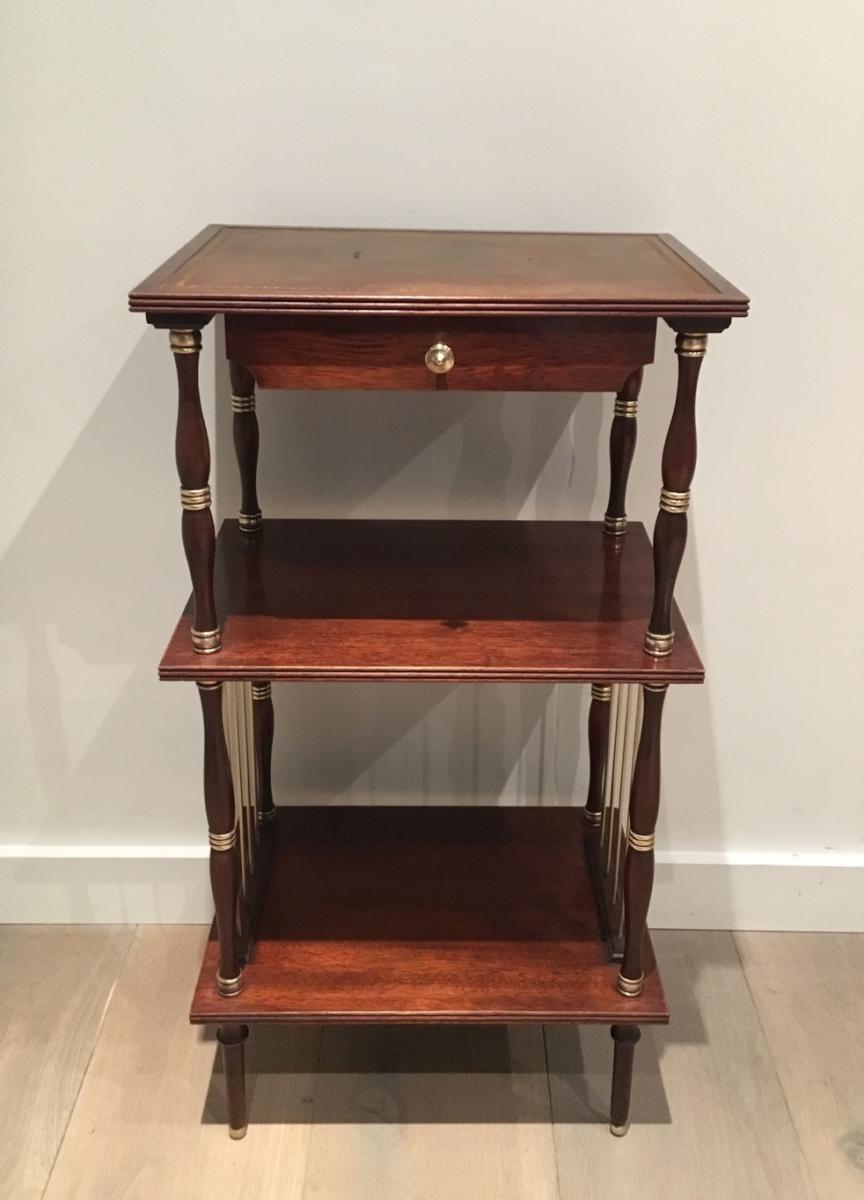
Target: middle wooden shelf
x,y
474,601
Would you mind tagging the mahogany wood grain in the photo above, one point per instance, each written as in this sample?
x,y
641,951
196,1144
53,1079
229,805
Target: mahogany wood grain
x,y
639,864
626,1038
192,452
457,600
232,1038
491,353
428,915
246,441
678,467
598,741
272,269
622,444
262,721
221,820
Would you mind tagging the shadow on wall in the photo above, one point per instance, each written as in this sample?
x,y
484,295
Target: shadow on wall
x,y
94,580
422,455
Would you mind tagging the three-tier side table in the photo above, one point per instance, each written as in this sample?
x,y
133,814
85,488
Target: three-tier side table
x,y
433,914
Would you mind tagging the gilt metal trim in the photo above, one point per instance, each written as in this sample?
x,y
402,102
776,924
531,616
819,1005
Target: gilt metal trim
x,y
195,499
691,345
184,341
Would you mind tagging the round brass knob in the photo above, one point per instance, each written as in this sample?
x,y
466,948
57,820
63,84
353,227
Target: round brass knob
x,y
440,359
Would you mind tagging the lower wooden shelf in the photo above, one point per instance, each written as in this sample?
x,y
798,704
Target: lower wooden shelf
x,y
417,914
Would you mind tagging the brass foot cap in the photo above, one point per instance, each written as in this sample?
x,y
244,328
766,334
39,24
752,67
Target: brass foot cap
x,y
619,1130
615,526
237,1134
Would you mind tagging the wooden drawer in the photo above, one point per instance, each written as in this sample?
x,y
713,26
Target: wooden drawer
x,y
489,353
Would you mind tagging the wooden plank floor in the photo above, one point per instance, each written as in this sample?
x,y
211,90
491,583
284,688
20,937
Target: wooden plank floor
x,y
752,1092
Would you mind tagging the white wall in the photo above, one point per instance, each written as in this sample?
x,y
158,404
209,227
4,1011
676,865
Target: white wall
x,y
126,127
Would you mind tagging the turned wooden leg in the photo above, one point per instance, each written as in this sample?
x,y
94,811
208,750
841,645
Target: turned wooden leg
x,y
598,739
622,443
231,1039
679,463
246,445
193,465
222,823
639,864
625,1038
262,716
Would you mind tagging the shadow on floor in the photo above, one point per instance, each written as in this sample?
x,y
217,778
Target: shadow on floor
x,y
430,1074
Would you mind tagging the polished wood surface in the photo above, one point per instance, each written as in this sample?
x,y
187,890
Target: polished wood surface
x,y
233,268
639,864
622,445
678,468
491,353
626,1038
246,443
441,1112
231,1038
458,600
221,822
192,455
428,914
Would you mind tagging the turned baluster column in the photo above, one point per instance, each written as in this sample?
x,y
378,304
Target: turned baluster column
x,y
598,740
246,440
262,717
222,824
622,443
625,1038
679,463
231,1039
192,450
639,865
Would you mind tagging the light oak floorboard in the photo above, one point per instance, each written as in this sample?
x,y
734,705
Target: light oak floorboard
x,y
56,982
808,990
709,1116
431,1113
150,1118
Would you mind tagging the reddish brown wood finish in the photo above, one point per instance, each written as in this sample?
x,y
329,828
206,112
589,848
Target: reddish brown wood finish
x,y
626,1038
268,269
622,444
231,1038
639,864
221,821
458,600
679,465
192,451
262,717
491,354
246,439
598,740
428,914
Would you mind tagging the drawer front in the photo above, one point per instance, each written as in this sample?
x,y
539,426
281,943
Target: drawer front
x,y
415,353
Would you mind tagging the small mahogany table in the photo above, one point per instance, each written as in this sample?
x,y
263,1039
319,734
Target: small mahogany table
x,y
433,914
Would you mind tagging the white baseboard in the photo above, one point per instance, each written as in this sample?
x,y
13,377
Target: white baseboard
x,y
170,885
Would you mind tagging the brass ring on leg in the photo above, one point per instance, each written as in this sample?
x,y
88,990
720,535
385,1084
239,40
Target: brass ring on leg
x,y
207,641
630,987
229,987
614,526
658,644
250,522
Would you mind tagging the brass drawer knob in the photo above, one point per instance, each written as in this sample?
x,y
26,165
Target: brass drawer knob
x,y
440,359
